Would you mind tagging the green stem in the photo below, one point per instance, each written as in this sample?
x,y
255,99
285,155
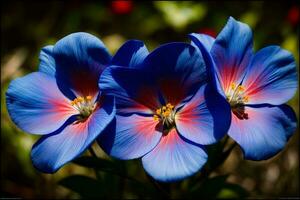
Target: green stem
x,y
207,170
229,149
93,153
225,140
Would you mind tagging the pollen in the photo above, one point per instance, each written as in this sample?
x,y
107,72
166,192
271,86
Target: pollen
x,y
236,95
237,98
232,86
84,105
89,98
166,115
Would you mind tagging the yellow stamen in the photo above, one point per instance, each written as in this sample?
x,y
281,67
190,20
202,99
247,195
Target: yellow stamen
x,y
241,88
246,99
236,95
155,117
170,106
165,114
158,111
89,98
232,86
84,106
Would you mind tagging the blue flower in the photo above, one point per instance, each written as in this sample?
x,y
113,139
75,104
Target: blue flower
x,y
166,110
61,101
255,84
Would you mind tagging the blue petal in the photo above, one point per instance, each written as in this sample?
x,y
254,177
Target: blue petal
x,y
178,70
174,158
206,40
290,117
170,74
47,62
232,52
204,43
134,89
199,120
265,132
36,105
53,151
130,54
80,58
130,137
271,77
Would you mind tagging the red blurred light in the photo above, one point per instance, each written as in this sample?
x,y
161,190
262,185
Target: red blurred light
x,y
121,7
208,31
293,15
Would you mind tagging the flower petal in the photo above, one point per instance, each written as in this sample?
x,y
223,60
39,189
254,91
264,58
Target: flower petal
x,y
130,54
47,62
199,120
271,77
203,43
232,52
53,151
36,105
80,59
178,70
174,158
134,89
265,132
206,40
130,137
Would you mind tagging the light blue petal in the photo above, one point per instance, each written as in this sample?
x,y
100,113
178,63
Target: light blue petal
x,y
130,137
265,132
205,119
53,151
206,40
36,105
271,77
174,158
232,52
47,62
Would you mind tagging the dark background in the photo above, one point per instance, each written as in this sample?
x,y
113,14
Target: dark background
x,y
28,26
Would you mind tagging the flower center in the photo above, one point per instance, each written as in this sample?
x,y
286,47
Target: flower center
x,y
84,105
166,115
235,95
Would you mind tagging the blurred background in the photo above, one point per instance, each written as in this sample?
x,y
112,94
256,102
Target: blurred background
x,y
26,27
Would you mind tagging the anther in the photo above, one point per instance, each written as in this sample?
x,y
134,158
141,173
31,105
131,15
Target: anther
x,y
84,106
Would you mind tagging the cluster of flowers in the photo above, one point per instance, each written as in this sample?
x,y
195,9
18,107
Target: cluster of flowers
x,y
163,106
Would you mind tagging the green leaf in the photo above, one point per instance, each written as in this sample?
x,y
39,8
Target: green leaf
x,y
85,186
232,191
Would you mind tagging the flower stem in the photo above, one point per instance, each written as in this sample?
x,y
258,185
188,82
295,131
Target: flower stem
x,y
93,153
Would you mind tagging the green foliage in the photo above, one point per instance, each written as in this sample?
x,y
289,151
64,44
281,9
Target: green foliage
x,y
101,164
85,186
